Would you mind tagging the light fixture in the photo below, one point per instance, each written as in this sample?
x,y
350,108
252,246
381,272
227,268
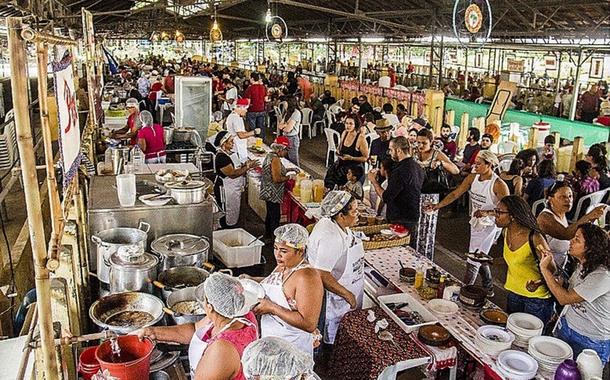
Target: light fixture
x,y
268,16
164,36
179,36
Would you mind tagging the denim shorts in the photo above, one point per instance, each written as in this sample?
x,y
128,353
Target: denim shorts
x,y
579,342
542,308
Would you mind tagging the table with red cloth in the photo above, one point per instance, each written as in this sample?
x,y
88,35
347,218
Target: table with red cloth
x,y
359,354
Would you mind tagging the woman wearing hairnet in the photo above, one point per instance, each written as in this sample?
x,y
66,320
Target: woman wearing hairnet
x,y
275,359
133,122
338,255
217,342
293,291
151,139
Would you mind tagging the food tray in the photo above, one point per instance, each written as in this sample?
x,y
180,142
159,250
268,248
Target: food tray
x,y
414,305
371,230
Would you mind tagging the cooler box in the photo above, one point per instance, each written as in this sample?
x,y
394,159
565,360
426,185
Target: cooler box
x,y
231,247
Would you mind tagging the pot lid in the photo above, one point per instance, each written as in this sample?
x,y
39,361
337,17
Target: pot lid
x,y
180,245
125,259
185,185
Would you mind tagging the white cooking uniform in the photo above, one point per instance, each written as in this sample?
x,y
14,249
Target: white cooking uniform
x,y
235,124
483,231
232,189
341,253
272,325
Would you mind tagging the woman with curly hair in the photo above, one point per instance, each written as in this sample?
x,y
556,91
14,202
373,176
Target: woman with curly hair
x,y
584,323
596,156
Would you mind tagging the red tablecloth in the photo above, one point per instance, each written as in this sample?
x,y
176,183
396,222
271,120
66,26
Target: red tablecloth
x,y
359,354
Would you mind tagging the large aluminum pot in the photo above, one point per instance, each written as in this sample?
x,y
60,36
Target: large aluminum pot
x,y
119,156
177,278
181,250
182,134
109,241
126,312
168,135
132,272
187,192
183,306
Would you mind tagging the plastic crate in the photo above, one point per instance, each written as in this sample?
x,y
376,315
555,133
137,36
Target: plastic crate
x,y
232,249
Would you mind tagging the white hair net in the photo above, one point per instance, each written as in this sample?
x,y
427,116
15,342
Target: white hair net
x,y
334,202
146,118
131,102
273,358
224,293
293,235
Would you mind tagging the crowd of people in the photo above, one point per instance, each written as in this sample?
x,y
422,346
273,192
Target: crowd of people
x,y
552,263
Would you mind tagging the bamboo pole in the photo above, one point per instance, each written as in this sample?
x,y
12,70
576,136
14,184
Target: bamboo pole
x,y
450,117
463,134
39,37
578,151
19,79
56,213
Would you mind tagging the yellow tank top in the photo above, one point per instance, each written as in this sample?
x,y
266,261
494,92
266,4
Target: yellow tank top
x,y
522,267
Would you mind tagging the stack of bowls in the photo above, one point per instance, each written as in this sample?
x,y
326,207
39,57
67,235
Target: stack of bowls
x,y
549,352
516,365
524,326
493,340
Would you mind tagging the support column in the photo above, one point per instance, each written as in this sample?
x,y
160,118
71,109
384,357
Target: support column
x,y
360,68
466,68
25,144
558,84
576,86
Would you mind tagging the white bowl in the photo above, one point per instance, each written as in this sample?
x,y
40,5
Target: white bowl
x,y
549,349
159,200
517,364
525,323
443,307
495,336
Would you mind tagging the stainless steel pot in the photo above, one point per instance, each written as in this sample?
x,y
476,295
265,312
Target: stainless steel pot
x,y
178,278
109,241
132,272
177,250
188,315
119,156
106,310
168,135
187,192
182,134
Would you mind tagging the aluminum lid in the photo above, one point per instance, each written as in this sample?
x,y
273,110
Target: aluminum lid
x,y
185,185
143,260
180,245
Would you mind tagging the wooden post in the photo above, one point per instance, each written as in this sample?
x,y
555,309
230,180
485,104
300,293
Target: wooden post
x,y
414,110
25,144
461,140
532,141
578,150
450,117
557,140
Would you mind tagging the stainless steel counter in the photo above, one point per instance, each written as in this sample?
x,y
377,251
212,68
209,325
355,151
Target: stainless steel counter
x,y
104,212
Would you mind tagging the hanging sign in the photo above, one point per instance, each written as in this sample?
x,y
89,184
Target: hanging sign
x,y
67,114
515,65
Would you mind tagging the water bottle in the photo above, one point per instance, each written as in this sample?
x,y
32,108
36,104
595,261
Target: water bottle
x,y
137,158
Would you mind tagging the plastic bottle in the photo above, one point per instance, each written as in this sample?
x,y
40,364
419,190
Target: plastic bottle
x,y
441,287
419,277
137,158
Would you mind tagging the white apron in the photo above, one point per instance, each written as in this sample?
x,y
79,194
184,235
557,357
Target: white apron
x,y
353,280
198,346
483,232
231,192
272,325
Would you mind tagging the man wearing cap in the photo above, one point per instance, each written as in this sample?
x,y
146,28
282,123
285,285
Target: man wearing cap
x,y
235,125
338,255
381,145
217,342
486,189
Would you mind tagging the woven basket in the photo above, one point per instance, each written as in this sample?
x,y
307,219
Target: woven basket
x,y
372,230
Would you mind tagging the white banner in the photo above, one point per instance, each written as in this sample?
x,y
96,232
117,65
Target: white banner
x,y
67,113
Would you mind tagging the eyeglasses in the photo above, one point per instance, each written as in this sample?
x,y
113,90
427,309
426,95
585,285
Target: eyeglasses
x,y
498,212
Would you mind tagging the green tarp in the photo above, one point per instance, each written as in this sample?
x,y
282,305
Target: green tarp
x,y
566,128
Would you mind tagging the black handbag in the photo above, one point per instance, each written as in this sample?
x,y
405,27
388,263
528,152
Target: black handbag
x,y
437,180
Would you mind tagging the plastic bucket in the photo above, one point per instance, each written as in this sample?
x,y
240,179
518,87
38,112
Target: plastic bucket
x,y
132,347
87,363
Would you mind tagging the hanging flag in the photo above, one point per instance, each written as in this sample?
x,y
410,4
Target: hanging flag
x,y
113,64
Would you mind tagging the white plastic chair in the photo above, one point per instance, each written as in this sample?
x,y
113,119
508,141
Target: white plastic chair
x,y
369,140
588,201
322,123
279,117
332,140
306,117
505,161
508,147
538,206
335,108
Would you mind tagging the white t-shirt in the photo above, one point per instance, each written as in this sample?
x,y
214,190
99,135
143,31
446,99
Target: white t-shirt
x,y
392,119
235,124
590,317
230,94
296,116
327,247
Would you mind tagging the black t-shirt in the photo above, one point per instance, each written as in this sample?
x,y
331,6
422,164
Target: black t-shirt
x,y
222,160
365,108
470,153
403,192
380,149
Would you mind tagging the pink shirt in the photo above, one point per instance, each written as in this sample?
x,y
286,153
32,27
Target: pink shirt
x,y
155,145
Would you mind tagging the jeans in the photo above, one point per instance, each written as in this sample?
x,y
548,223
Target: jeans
x,y
156,160
293,150
579,342
472,271
257,120
542,308
272,219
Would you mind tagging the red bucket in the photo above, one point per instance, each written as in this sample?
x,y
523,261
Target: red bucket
x,y
136,352
87,363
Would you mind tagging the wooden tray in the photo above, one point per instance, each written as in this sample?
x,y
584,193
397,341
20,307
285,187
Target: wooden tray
x,y
371,230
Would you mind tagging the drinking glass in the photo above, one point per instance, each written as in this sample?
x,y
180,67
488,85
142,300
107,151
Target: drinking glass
x,y
126,189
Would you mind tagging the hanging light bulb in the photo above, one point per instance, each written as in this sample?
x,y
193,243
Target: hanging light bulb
x,y
268,16
179,36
